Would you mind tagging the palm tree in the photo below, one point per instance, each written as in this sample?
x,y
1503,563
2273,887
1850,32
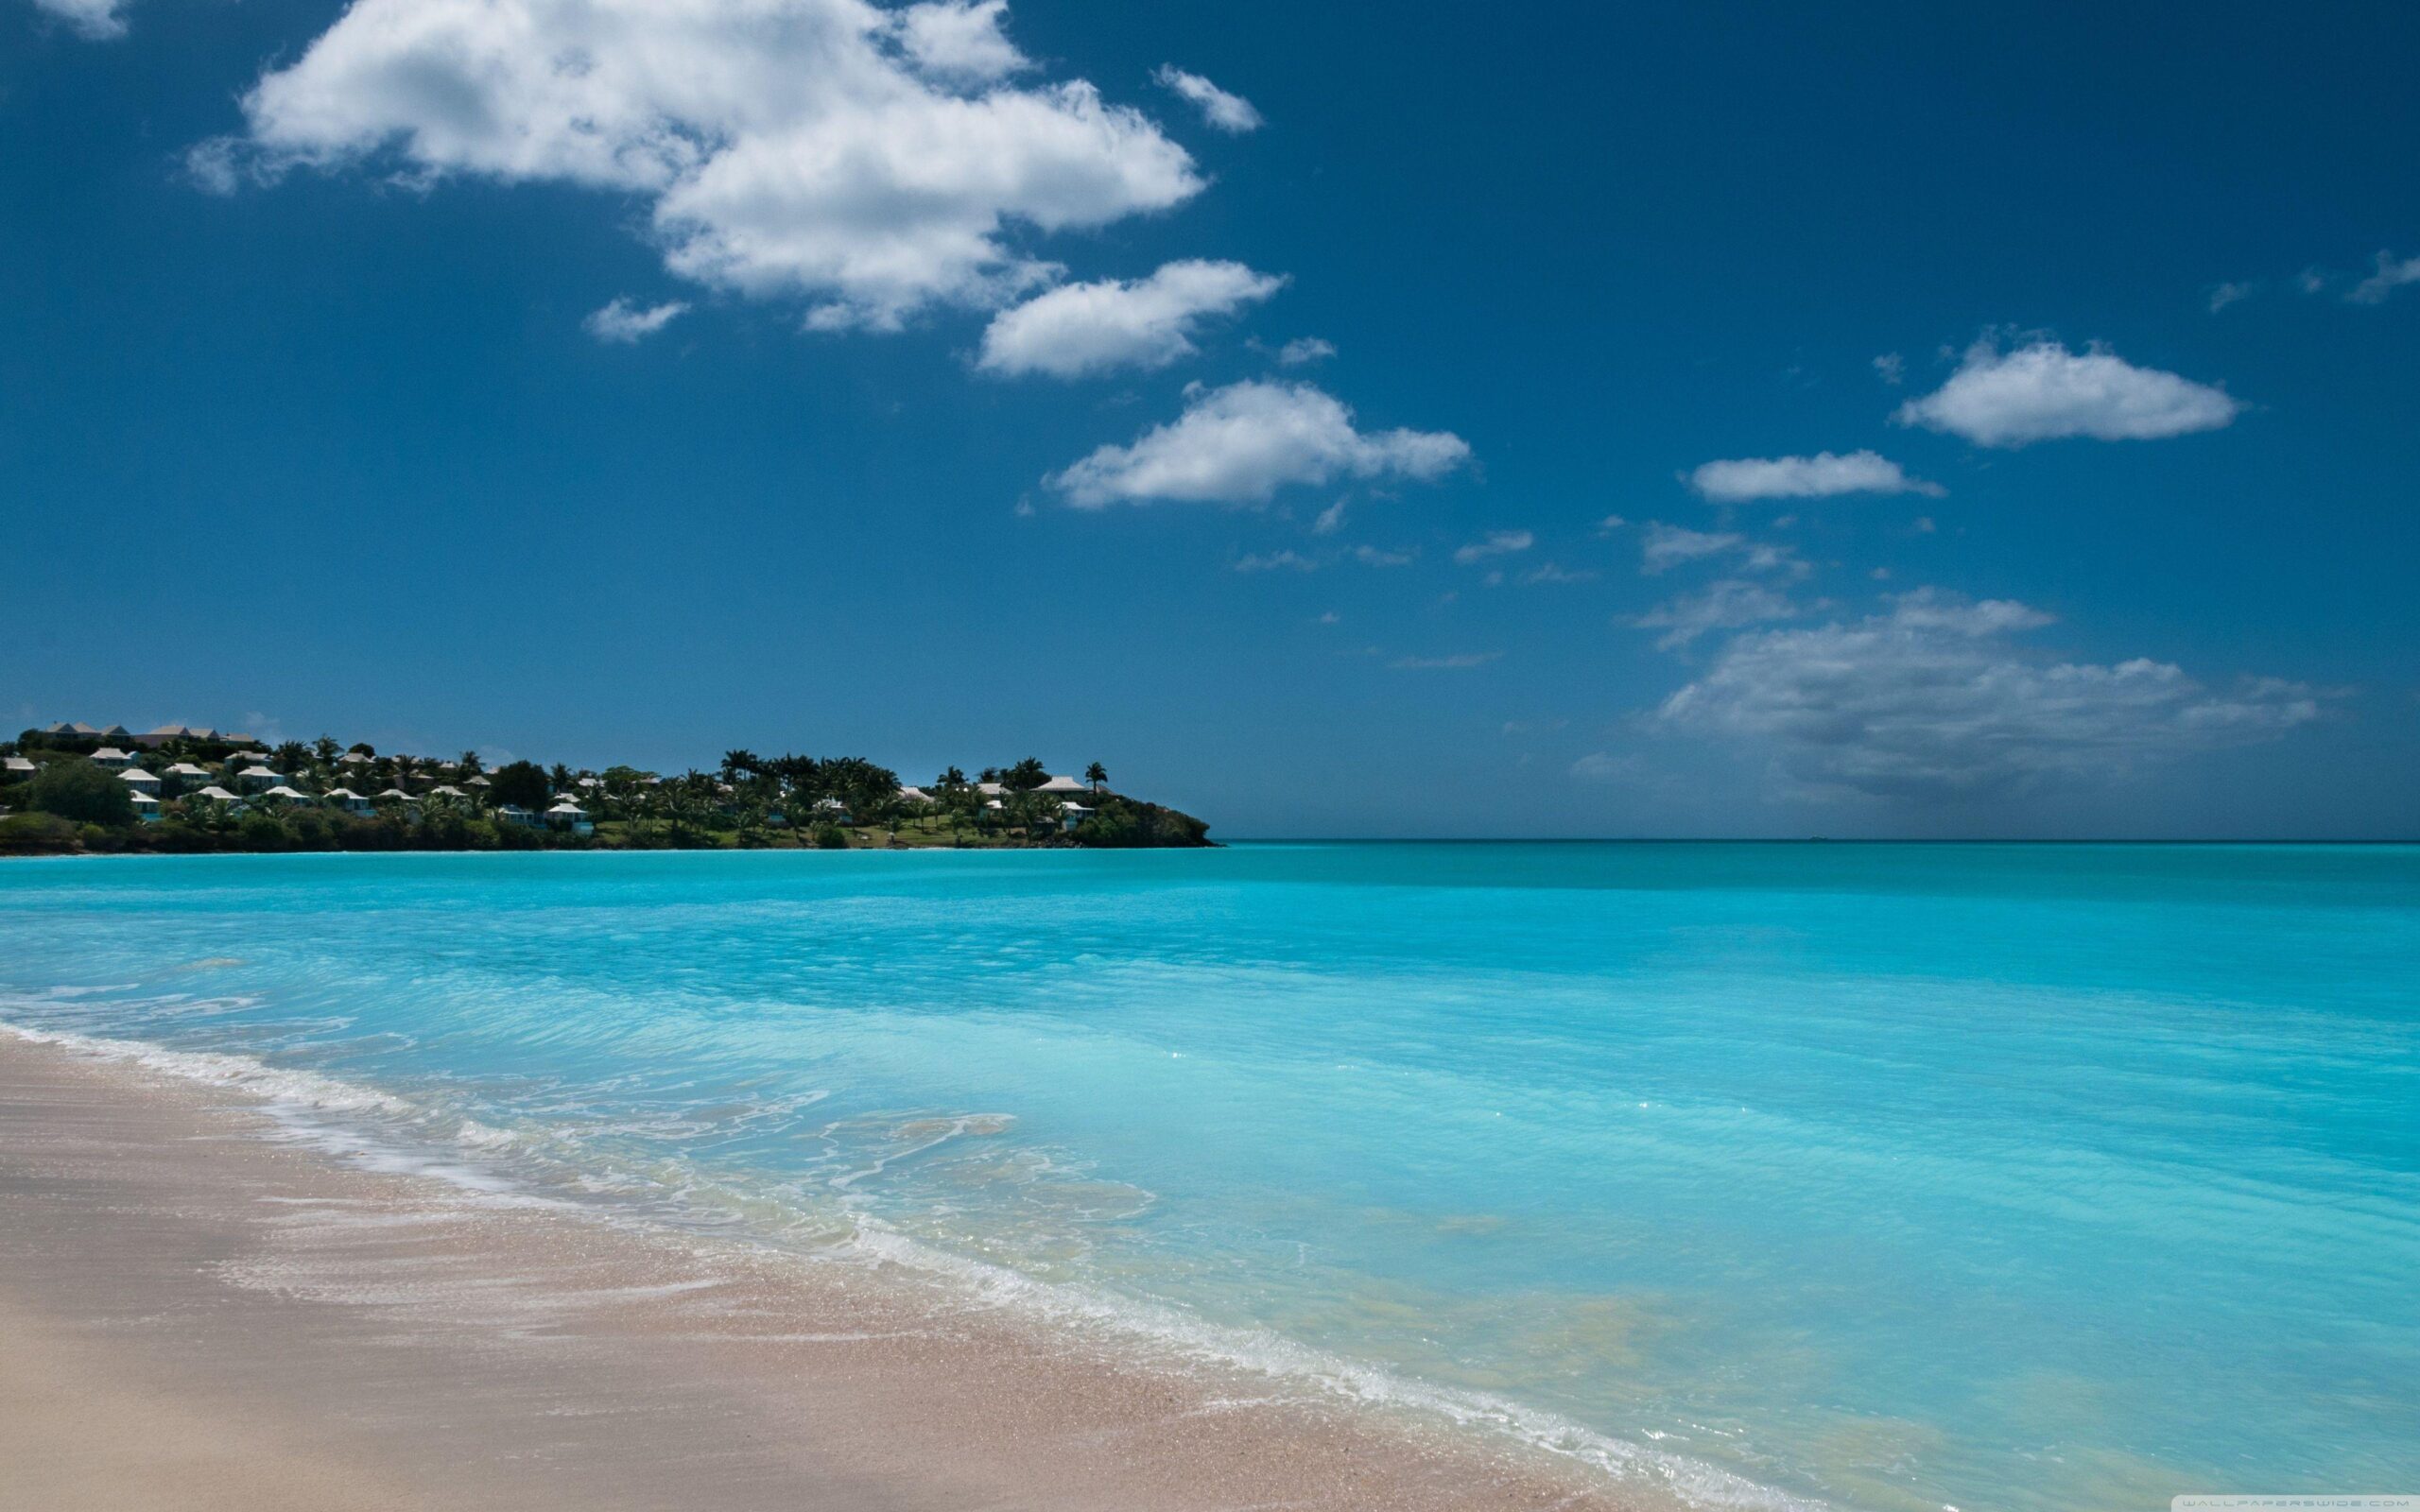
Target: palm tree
x,y
1098,774
470,764
326,748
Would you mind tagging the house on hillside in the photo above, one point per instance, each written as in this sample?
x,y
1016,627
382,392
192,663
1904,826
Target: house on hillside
x,y
19,768
515,813
1063,785
570,815
147,808
285,794
217,794
258,780
185,771
113,758
141,781
1071,815
350,803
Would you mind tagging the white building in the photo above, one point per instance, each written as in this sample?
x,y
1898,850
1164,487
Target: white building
x,y
568,814
187,769
351,801
141,781
287,795
258,780
1063,785
1071,815
217,794
19,768
147,808
110,756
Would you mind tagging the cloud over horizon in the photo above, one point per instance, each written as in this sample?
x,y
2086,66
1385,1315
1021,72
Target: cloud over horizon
x,y
1241,443
2042,391
1930,700
94,20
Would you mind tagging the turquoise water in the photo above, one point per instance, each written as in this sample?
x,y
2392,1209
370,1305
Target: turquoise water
x,y
1872,1177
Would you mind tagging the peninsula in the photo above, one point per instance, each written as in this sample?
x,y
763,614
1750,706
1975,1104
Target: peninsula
x,y
77,788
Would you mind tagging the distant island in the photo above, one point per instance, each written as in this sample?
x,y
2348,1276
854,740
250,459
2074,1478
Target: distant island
x,y
81,789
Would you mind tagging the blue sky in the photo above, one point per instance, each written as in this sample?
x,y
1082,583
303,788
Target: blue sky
x,y
2007,422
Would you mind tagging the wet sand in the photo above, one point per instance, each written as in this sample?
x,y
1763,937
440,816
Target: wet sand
x,y
194,1315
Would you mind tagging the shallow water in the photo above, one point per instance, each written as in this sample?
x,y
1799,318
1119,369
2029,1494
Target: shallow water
x,y
1881,1177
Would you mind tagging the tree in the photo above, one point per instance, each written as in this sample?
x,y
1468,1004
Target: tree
x,y
327,749
740,764
470,764
558,777
1098,774
80,791
290,756
363,748
1027,774
519,782
950,778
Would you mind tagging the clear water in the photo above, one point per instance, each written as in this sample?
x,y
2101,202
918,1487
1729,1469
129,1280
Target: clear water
x,y
1877,1176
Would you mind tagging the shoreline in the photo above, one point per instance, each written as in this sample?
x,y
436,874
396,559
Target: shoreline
x,y
216,1311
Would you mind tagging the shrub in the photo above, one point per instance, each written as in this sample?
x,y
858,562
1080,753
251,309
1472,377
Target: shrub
x,y
82,792
23,834
830,837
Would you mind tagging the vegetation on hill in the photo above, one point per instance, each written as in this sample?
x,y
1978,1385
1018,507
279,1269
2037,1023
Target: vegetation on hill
x,y
225,794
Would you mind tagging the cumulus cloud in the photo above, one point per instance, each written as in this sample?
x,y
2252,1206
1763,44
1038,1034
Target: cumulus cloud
x,y
1892,368
1662,546
1302,350
1726,605
794,148
2042,391
1804,478
2223,295
95,20
1241,443
1228,113
1556,572
2392,273
627,323
1374,557
1497,544
961,42
1089,328
1932,699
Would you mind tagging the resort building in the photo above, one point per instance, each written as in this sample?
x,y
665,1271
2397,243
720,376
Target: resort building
x,y
568,814
515,813
283,794
217,794
258,780
17,767
147,808
141,781
351,801
110,756
1071,815
1063,785
187,769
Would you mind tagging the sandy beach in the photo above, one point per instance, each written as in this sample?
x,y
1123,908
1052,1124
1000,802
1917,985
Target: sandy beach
x,y
200,1315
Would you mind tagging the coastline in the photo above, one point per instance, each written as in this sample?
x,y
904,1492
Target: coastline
x,y
213,1315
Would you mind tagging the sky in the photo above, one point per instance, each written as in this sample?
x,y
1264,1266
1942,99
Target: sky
x,y
1338,420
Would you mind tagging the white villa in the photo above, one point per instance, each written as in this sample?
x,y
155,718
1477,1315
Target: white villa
x,y
351,801
141,781
1063,785
572,815
259,780
188,770
217,794
112,757
287,795
147,808
20,767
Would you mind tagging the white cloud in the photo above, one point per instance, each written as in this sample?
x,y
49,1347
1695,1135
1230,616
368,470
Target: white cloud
x,y
1373,557
625,323
1555,572
962,42
1603,766
1726,605
2392,274
1498,543
2223,295
1302,350
791,148
1228,113
1610,523
1930,700
1892,368
1444,663
1241,443
1804,478
1662,546
1089,328
95,20
1330,521
1277,562
2042,391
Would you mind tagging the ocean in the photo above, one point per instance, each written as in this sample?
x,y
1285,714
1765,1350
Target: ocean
x,y
1869,1177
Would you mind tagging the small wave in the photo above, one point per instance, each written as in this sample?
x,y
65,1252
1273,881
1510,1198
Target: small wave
x,y
301,1099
